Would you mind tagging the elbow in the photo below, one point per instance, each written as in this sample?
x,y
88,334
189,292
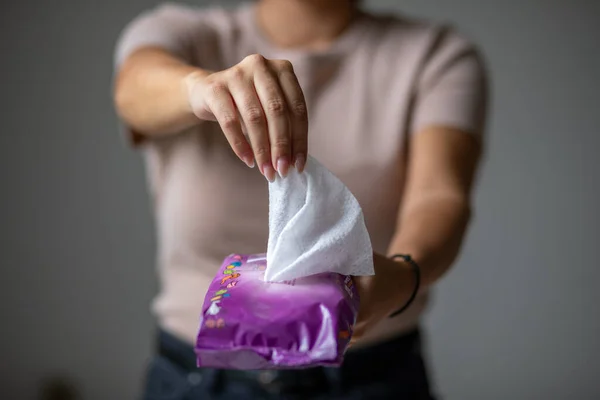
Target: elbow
x,y
122,98
442,255
127,105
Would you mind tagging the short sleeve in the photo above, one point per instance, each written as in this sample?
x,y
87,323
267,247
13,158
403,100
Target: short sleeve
x,y
168,26
452,89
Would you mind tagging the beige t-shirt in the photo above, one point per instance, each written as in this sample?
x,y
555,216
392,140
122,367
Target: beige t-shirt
x,y
382,80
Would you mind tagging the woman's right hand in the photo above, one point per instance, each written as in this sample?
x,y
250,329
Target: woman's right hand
x,y
264,97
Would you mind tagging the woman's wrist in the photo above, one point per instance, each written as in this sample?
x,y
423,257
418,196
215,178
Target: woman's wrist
x,y
192,85
397,280
416,277
383,293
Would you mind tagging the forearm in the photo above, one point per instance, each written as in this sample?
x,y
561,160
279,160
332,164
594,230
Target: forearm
x,y
432,232
151,92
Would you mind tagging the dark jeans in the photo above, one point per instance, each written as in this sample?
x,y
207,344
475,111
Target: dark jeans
x,y
390,370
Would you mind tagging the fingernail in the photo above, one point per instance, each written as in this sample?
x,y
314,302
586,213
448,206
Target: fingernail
x,y
283,166
300,162
268,172
249,160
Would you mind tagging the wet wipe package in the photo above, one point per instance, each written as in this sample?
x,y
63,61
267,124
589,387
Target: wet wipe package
x,y
295,306
248,323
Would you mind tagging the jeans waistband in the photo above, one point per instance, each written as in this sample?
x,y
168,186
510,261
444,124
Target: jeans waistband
x,y
176,350
182,354
368,364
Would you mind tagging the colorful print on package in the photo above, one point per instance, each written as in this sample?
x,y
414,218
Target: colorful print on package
x,y
248,323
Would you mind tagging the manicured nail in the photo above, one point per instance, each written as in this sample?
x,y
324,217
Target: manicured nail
x,y
283,166
249,160
300,162
268,172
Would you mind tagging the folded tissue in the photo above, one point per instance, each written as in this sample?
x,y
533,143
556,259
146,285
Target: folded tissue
x,y
295,306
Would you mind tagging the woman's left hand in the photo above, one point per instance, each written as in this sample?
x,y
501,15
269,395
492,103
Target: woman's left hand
x,y
381,294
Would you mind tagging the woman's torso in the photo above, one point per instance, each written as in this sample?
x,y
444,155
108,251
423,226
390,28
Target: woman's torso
x,y
209,204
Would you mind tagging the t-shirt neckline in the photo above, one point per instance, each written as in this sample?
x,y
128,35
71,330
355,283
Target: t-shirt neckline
x,y
343,44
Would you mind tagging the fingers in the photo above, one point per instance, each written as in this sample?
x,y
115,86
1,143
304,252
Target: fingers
x,y
276,111
356,336
224,109
298,115
251,111
264,97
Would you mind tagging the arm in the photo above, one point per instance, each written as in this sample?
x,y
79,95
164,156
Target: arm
x,y
437,202
160,90
157,94
153,66
443,156
444,151
152,89
431,224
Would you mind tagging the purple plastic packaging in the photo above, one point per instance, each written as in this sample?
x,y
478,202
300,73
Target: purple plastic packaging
x,y
248,323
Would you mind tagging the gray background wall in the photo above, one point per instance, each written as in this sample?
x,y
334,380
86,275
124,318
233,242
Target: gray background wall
x,y
518,318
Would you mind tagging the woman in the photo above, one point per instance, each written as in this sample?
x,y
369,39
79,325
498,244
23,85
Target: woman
x,y
396,111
